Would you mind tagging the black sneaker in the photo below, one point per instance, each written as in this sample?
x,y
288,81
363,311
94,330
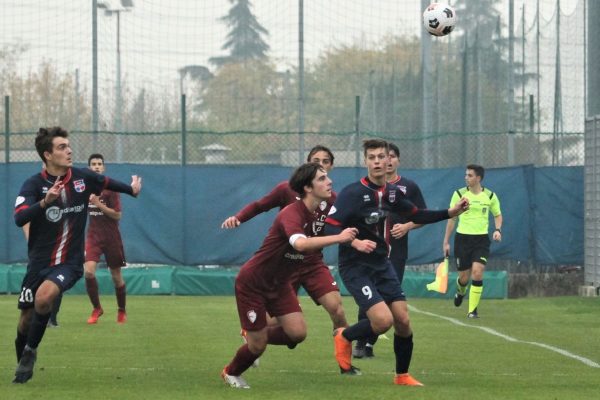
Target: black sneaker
x,y
369,351
352,371
473,314
359,349
458,298
24,370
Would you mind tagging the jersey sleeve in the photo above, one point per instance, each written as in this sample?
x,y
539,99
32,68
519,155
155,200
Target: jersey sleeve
x,y
455,198
404,207
27,205
342,211
291,222
274,199
416,197
495,206
114,201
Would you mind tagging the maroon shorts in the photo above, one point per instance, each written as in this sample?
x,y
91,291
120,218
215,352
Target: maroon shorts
x,y
253,303
113,251
316,280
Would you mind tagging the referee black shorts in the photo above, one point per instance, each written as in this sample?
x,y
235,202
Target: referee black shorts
x,y
469,249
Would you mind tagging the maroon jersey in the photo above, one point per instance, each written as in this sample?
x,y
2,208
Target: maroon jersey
x,y
273,265
102,226
281,196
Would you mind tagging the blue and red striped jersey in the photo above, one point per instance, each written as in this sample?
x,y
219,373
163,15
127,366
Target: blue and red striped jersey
x,y
57,232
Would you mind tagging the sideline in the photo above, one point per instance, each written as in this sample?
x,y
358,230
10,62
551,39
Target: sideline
x,y
494,332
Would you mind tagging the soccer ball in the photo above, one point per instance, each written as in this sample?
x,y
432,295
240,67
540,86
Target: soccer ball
x,y
439,19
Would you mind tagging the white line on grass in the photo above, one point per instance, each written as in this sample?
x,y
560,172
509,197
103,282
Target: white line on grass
x,y
494,332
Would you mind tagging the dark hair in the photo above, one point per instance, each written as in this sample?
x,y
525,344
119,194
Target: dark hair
x,y
394,148
479,171
374,144
318,148
43,140
95,155
303,176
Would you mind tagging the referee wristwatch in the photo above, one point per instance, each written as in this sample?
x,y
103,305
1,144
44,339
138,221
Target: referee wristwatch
x,y
498,230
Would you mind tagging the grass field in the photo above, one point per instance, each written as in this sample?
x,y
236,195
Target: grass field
x,y
175,348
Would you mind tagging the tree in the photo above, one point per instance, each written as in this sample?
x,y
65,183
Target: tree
x,y
47,97
244,41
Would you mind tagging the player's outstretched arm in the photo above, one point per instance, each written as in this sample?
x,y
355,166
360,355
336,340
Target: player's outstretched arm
x,y
117,186
303,243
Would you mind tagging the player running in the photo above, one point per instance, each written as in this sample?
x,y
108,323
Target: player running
x,y
55,202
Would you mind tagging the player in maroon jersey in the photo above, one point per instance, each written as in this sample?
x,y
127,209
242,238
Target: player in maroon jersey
x,y
313,274
104,237
264,282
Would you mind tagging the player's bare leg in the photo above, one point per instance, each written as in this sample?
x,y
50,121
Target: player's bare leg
x,y
91,286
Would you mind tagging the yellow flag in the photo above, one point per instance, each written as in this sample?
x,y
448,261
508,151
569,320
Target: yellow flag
x,y
441,278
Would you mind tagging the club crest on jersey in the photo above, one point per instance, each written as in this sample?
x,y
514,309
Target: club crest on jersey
x,y
79,185
392,196
251,315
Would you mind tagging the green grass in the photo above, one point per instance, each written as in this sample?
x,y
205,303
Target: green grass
x,y
175,348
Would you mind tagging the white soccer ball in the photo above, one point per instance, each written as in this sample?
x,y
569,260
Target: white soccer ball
x,y
439,19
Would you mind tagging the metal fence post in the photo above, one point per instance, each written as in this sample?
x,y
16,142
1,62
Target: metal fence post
x,y
6,161
183,131
6,129
357,127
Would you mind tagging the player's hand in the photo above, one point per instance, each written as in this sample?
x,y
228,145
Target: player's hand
x,y
446,249
53,193
497,236
95,200
364,246
348,235
399,230
136,184
230,223
460,207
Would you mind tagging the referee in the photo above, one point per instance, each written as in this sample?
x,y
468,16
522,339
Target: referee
x,y
472,243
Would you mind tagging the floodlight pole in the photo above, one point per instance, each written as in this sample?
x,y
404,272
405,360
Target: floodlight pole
x,y
301,80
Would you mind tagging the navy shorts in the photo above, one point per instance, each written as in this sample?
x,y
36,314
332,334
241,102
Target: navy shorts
x,y
469,249
65,276
371,284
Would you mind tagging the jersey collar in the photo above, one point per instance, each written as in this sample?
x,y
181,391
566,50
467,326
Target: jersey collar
x,y
65,179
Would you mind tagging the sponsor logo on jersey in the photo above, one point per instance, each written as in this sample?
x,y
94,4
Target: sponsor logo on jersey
x,y
79,185
374,217
251,316
61,277
291,256
402,188
366,198
54,214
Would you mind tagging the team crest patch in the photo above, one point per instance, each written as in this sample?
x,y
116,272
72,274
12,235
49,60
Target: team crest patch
x,y
79,185
251,315
392,196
